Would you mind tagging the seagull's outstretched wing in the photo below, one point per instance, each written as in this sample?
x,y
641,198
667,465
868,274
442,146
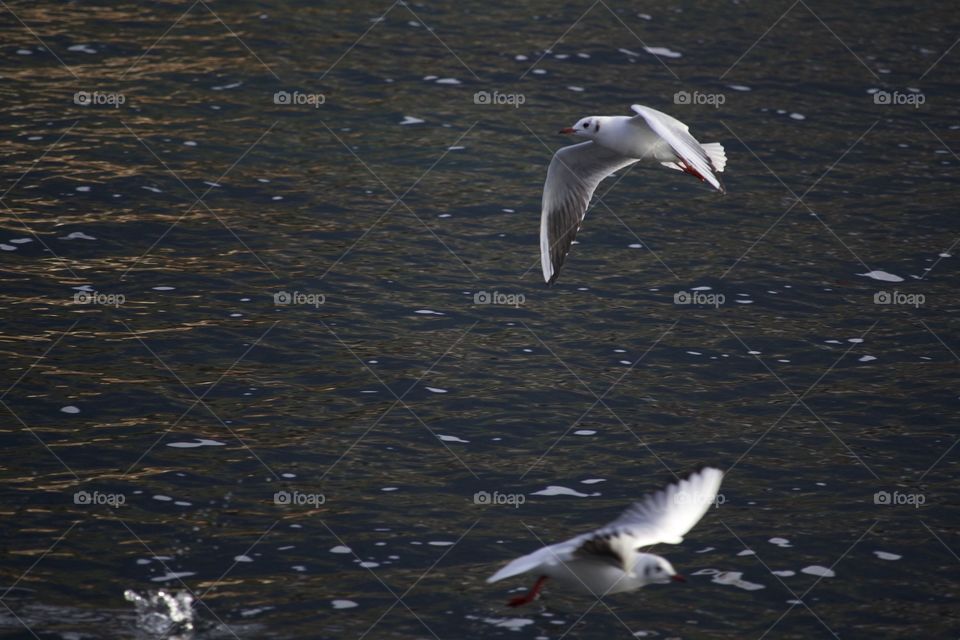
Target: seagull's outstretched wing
x,y
572,177
665,516
687,148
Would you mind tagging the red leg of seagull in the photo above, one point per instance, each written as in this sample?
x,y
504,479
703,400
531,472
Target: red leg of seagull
x,y
529,596
688,169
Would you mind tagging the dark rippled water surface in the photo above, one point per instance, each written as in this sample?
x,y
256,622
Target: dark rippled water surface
x,y
246,355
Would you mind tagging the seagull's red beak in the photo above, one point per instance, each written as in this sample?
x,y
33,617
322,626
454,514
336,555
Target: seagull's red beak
x,y
567,130
678,578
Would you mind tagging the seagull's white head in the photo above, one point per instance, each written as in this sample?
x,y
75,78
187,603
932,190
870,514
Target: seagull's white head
x,y
587,127
654,569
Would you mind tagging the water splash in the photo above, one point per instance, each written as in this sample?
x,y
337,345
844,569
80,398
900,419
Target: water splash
x,y
162,613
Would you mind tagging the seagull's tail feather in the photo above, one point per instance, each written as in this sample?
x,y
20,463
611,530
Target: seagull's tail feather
x,y
718,157
714,151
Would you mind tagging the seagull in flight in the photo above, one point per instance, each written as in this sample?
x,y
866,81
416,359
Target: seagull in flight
x,y
609,559
614,142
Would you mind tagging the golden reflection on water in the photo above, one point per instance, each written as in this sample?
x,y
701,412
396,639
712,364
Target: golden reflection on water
x,y
289,387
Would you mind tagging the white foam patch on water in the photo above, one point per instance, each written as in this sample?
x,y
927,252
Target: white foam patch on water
x,y
452,439
428,312
242,558
584,432
76,235
154,189
747,552
21,240
785,573
343,604
436,390
867,359
369,565
817,570
82,48
739,87
513,624
556,490
780,542
70,409
201,442
577,89
173,575
592,480
882,276
162,498
412,120
440,543
163,288
663,51
886,555
735,579
340,549
448,81
7,247
798,116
